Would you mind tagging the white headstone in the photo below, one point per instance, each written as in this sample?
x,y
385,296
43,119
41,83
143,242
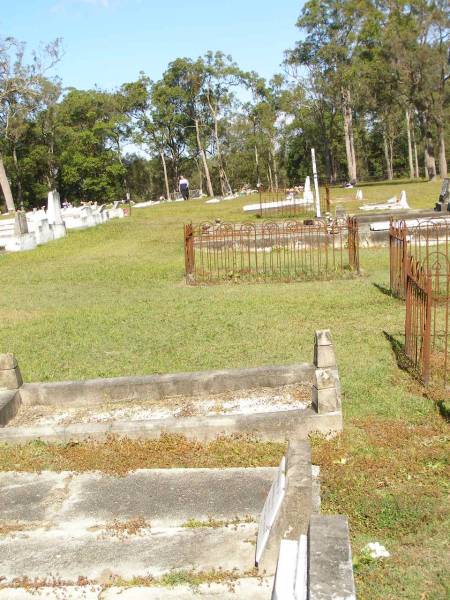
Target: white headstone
x,y
54,214
270,510
307,193
316,183
359,195
403,202
292,570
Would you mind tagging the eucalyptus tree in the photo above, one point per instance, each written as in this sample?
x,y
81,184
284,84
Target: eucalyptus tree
x,y
180,113
334,31
221,76
20,90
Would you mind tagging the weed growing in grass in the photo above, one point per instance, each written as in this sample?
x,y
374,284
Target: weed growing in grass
x,y
390,478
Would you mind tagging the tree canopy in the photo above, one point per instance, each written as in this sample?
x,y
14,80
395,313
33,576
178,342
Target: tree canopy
x,y
366,86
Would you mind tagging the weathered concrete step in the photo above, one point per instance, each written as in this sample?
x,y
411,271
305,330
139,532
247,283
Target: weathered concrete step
x,y
94,554
162,496
242,589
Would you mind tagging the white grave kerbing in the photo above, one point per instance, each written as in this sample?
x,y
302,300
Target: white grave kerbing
x,y
270,510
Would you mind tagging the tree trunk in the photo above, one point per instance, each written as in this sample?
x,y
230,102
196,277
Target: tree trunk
x,y
430,162
416,160
269,173
19,183
200,177
166,179
442,157
275,168
224,182
349,138
387,157
410,151
257,167
4,183
203,157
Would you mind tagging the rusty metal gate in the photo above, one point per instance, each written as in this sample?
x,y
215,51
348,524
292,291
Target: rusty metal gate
x,y
426,321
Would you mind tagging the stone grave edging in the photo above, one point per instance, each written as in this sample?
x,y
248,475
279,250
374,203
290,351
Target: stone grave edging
x,y
324,417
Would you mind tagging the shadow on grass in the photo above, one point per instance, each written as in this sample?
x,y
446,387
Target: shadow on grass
x,y
444,409
398,348
387,291
384,290
405,364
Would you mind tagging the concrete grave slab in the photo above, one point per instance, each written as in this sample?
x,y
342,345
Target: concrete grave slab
x,y
250,588
69,554
168,496
25,497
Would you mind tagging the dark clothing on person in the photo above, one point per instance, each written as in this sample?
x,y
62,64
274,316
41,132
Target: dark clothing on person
x,y
184,190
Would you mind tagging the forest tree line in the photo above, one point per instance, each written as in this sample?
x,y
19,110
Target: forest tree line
x,y
366,86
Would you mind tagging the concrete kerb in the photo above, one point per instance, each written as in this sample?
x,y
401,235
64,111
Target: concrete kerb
x,y
276,426
295,512
330,570
158,387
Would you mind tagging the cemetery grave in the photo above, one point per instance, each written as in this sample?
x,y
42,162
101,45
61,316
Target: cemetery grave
x,y
151,523
28,230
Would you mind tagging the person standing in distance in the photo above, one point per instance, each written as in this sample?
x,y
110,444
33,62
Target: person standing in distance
x,y
184,187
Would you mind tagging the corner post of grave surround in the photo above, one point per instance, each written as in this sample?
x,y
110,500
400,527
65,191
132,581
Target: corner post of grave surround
x,y
326,391
10,382
10,376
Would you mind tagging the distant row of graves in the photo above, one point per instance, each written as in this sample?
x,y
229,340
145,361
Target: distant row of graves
x,y
26,230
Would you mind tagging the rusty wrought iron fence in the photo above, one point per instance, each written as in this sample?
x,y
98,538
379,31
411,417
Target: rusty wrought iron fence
x,y
426,321
398,247
420,241
270,251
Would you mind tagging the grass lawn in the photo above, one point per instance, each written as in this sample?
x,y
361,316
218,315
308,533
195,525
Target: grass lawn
x,y
112,301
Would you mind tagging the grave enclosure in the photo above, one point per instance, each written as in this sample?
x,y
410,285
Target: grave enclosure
x,y
77,508
271,251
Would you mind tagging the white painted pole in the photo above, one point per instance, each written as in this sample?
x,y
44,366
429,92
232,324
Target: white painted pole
x,y
316,183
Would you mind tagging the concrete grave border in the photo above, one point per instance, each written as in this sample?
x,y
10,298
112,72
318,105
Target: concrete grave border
x,y
325,415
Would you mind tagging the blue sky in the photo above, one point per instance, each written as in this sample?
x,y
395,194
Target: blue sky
x,y
107,42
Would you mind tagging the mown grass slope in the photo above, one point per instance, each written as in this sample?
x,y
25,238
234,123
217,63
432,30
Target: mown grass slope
x,y
112,301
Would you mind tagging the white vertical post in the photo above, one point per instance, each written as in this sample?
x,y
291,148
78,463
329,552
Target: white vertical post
x,y
316,183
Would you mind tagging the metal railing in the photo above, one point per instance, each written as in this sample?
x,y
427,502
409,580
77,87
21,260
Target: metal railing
x,y
270,251
420,242
426,320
